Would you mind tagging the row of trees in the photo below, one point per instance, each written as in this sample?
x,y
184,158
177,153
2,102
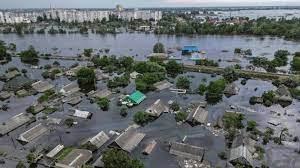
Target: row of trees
x,y
261,26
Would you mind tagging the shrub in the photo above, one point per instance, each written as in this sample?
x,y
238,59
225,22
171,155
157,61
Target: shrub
x,y
141,118
181,116
103,103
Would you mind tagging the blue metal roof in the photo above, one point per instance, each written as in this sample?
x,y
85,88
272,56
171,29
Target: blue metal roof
x,y
190,48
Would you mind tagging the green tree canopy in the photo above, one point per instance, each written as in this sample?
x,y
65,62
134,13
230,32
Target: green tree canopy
x,y
29,56
141,118
173,68
183,82
86,79
159,48
114,158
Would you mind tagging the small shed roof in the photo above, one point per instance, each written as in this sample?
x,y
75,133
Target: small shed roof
x,y
149,148
100,139
82,114
157,108
198,115
55,151
137,97
33,133
129,139
231,89
190,48
75,159
187,151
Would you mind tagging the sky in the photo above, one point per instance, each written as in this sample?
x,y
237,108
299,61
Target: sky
x,y
5,4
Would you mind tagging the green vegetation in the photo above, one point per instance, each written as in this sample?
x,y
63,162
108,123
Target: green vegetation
x,y
295,64
63,153
4,55
269,98
173,68
175,106
295,93
202,89
51,74
48,95
232,122
251,125
124,112
181,116
158,48
183,82
20,165
270,66
141,118
31,158
86,79
49,110
207,63
111,63
121,81
69,122
151,72
103,103
30,56
114,158
89,146
267,136
262,26
214,91
88,52
230,74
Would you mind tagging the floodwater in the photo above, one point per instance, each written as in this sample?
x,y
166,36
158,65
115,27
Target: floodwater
x,y
164,129
140,45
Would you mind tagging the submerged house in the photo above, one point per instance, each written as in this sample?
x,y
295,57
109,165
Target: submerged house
x,y
75,159
187,151
198,116
82,114
98,140
128,140
15,122
283,96
33,133
42,86
70,89
134,99
187,50
162,85
157,108
241,155
231,89
55,151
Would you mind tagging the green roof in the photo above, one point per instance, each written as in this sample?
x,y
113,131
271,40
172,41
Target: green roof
x,y
137,97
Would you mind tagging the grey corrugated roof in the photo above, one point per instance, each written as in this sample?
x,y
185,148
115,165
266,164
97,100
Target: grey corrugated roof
x,y
14,122
199,115
75,159
186,151
100,139
129,139
231,89
241,154
33,133
157,108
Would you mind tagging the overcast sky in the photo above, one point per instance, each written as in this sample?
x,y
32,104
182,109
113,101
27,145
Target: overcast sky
x,y
141,3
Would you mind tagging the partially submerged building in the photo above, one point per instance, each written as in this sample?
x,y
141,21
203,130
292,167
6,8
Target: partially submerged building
x,y
162,85
69,89
159,56
33,133
128,140
197,116
187,50
157,108
187,151
72,72
284,96
241,155
55,151
5,95
99,140
134,99
11,74
231,89
75,159
92,95
15,122
82,114
42,86
149,148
